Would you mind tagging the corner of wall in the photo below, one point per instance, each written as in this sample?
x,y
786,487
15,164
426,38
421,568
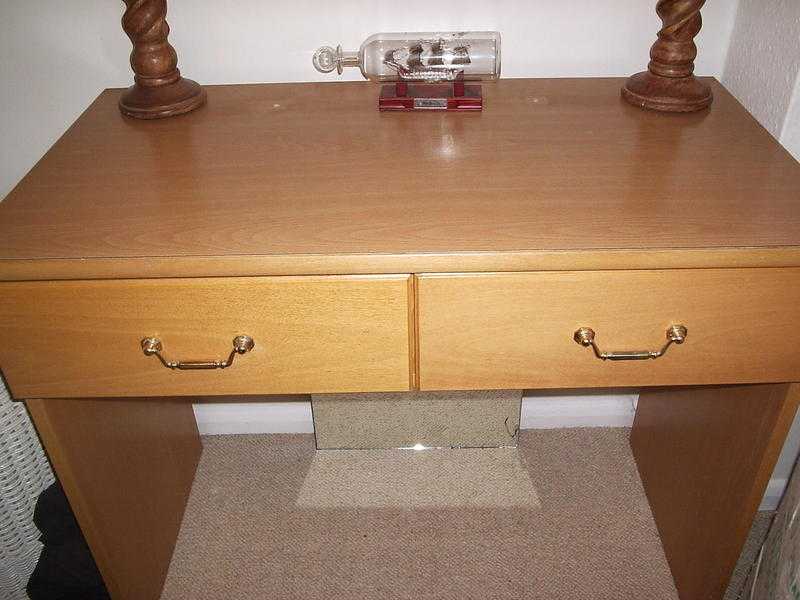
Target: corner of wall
x,y
727,37
790,136
763,60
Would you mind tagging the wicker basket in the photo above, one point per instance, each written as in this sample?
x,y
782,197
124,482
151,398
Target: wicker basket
x,y
24,473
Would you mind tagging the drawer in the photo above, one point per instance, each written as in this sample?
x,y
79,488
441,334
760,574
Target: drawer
x,y
311,334
515,330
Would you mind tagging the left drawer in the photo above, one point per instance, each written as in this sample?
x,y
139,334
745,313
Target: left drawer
x,y
312,334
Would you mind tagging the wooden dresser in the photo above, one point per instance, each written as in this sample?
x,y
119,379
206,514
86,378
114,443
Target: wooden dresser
x,y
560,239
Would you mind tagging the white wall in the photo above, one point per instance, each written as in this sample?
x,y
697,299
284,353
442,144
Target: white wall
x,y
764,60
56,56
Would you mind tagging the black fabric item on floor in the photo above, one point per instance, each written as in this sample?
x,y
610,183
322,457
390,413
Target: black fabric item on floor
x,y
66,569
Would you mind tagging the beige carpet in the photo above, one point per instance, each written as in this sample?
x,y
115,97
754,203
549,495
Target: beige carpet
x,y
377,479
578,526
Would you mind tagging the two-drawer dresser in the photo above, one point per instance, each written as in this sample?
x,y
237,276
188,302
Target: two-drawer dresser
x,y
291,239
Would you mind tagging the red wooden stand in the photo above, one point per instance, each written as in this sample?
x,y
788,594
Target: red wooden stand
x,y
430,96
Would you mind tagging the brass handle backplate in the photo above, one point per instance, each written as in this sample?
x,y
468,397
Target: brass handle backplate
x,y
676,334
242,344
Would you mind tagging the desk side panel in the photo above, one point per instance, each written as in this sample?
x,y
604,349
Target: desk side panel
x,y
127,467
705,456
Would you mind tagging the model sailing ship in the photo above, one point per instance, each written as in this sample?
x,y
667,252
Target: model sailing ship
x,y
429,61
429,70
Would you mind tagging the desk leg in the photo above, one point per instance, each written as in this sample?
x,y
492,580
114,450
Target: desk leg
x,y
705,456
127,468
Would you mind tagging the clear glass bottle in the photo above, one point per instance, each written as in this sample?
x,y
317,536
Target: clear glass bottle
x,y
430,57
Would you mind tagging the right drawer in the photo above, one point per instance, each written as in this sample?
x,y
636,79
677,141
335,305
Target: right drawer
x,y
517,330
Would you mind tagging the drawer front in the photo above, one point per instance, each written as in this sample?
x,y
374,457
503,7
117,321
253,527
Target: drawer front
x,y
312,334
515,330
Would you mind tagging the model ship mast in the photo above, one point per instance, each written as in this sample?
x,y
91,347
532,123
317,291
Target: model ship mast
x,y
430,61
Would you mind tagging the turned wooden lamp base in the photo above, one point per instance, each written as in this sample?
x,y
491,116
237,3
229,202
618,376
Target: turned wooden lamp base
x,y
177,98
667,94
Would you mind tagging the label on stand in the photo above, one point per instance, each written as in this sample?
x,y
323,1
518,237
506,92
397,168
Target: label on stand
x,y
430,103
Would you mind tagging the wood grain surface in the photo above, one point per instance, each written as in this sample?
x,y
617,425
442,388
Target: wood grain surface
x,y
127,468
299,178
705,456
515,330
312,334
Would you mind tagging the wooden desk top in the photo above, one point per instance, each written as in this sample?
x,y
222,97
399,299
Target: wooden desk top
x,y
311,178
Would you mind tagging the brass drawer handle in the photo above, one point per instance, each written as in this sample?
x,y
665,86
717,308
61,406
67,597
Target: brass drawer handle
x,y
676,334
242,344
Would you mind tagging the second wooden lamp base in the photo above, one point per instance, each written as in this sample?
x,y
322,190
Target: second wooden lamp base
x,y
165,100
667,94
159,90
669,84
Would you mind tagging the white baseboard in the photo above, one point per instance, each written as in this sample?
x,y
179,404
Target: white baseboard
x,y
772,497
254,417
566,409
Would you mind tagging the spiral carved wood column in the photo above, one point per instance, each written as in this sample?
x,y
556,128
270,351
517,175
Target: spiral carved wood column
x,y
159,90
669,84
